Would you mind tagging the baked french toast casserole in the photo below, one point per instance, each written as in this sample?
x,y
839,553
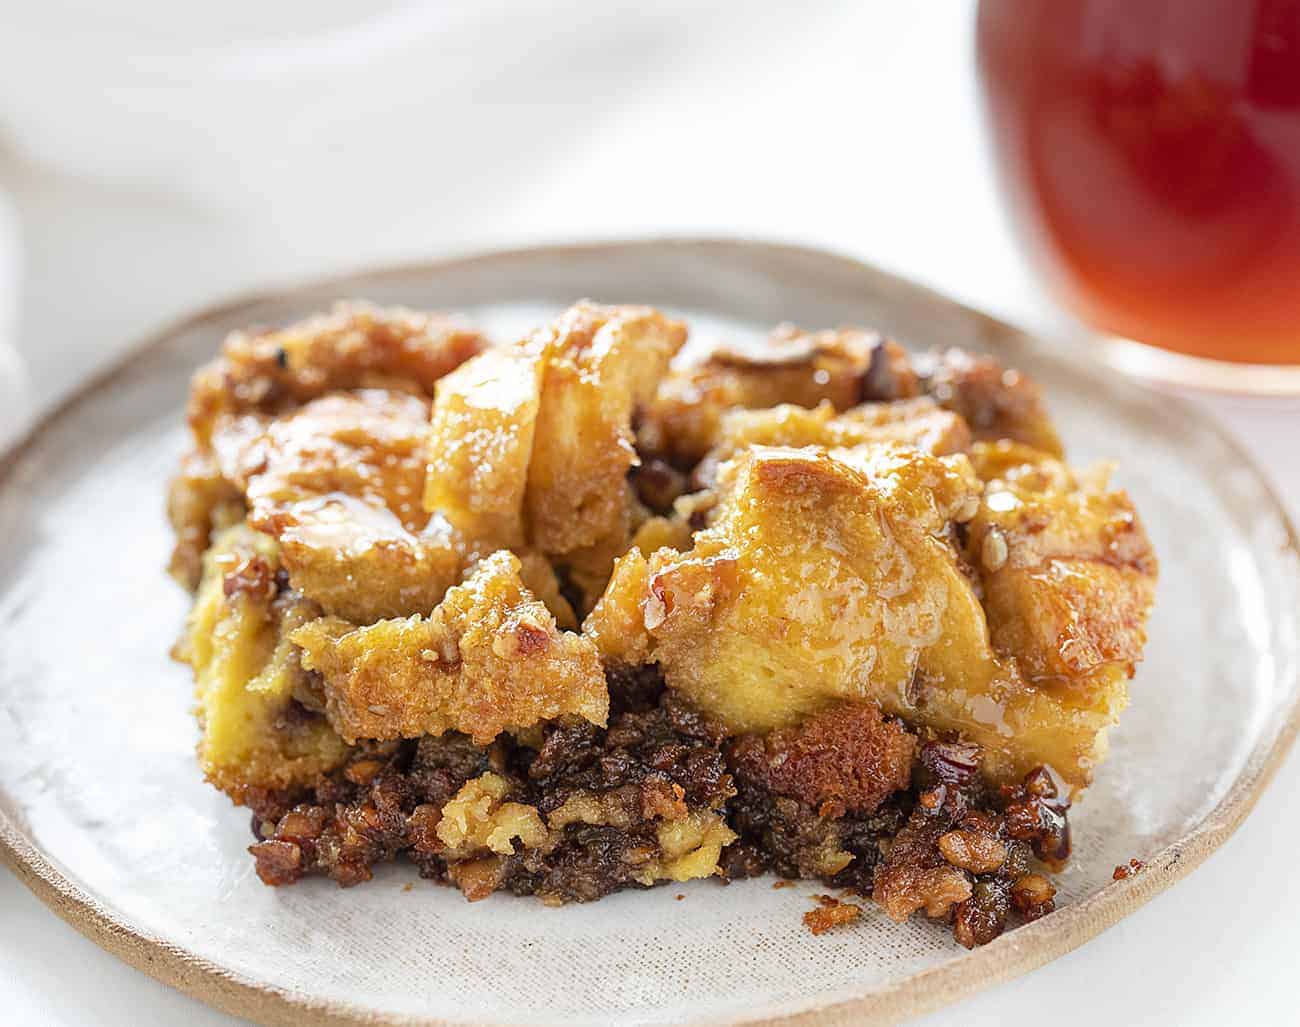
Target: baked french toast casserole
x,y
580,612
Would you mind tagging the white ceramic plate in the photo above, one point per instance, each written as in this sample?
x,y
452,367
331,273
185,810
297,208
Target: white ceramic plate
x,y
103,813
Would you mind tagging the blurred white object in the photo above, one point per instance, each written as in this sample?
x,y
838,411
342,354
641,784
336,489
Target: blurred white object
x,y
165,155
13,377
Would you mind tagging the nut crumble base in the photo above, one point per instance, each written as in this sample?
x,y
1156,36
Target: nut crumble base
x,y
945,844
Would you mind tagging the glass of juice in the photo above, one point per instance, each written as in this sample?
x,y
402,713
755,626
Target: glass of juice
x,y
1150,150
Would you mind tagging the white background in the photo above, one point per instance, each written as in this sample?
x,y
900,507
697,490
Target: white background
x,y
155,155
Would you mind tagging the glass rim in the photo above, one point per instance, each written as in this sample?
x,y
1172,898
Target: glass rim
x,y
1157,366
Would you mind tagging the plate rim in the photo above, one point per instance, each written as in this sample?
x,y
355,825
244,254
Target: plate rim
x,y
1015,953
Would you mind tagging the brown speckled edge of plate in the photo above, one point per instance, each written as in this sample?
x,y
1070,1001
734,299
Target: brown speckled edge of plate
x,y
1017,952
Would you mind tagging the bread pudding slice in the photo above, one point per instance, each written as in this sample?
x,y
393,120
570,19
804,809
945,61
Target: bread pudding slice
x,y
847,614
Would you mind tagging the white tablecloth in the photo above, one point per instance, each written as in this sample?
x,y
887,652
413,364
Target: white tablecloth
x,y
165,155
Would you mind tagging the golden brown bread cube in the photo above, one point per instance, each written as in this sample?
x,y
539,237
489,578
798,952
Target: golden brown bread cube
x,y
997,402
602,364
818,581
481,442
803,589
843,368
367,445
531,445
263,375
617,623
358,562
337,483
200,502
489,658
355,346
918,422
247,673
1068,571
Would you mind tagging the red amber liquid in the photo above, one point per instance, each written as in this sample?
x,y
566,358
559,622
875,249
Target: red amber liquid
x,y
1151,149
